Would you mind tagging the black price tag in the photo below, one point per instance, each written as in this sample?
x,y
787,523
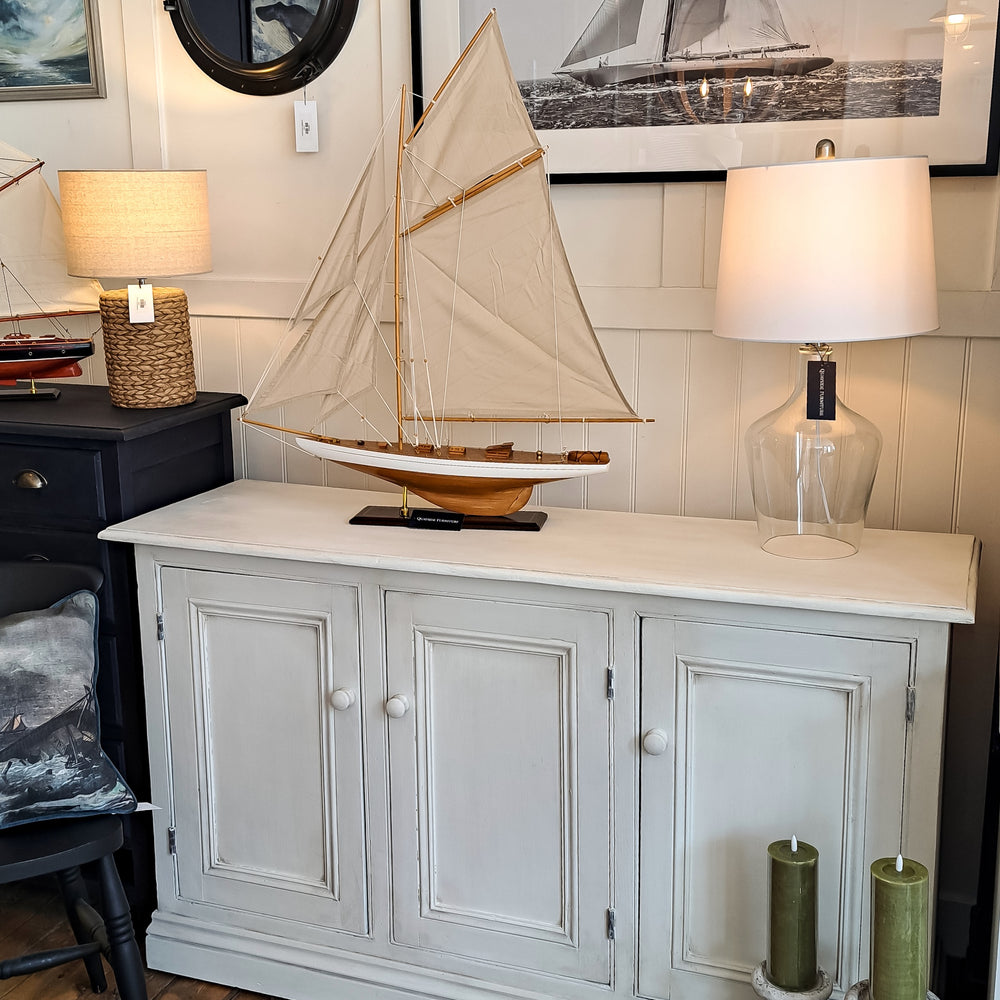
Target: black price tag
x,y
821,391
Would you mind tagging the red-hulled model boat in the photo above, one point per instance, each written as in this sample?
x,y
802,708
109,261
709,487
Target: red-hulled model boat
x,y
38,299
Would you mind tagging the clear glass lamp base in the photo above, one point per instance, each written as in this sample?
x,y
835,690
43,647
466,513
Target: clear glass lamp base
x,y
811,479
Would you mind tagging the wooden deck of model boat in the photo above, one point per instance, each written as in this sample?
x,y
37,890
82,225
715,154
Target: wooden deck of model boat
x,y
488,481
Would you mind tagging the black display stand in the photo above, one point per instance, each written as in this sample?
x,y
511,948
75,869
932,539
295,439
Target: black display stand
x,y
446,520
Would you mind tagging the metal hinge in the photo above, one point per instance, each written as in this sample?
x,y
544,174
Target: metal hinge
x,y
611,683
611,924
911,703
169,5
159,627
171,840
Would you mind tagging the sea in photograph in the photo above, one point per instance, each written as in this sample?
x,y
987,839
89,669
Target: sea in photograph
x,y
71,70
884,89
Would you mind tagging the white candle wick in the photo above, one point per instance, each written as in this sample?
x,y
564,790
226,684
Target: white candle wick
x,y
899,862
795,844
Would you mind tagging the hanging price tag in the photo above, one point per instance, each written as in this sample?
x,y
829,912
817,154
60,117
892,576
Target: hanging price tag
x,y
140,304
821,390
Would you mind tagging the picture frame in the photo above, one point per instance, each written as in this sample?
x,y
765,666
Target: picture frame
x,y
51,50
896,82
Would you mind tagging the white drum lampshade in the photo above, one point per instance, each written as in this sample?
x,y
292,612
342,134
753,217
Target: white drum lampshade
x,y
816,253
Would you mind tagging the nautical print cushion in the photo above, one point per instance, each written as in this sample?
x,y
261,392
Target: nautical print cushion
x,y
51,762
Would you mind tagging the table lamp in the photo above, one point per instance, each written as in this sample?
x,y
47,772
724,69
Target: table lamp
x,y
132,223
815,253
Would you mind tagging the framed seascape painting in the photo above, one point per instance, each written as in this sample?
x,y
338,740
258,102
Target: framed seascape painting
x,y
50,49
653,90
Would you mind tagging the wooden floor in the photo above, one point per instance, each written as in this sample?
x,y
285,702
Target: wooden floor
x,y
32,919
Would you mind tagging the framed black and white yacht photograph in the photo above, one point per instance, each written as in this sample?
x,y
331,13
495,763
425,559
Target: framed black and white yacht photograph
x,y
50,49
651,90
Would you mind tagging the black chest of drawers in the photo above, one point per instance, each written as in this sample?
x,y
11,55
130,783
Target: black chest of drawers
x,y
69,468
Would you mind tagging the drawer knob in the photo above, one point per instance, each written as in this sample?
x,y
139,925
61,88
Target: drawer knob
x,y
397,706
655,742
342,699
28,479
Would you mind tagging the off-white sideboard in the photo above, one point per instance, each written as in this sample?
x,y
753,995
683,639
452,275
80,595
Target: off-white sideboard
x,y
484,764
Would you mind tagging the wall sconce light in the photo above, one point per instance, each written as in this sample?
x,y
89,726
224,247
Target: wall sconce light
x,y
957,19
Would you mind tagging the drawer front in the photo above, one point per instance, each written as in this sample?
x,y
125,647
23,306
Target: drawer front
x,y
63,546
44,483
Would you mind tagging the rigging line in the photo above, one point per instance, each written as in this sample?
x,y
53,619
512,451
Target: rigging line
x,y
478,188
454,306
14,180
432,430
6,292
419,160
388,351
62,328
555,316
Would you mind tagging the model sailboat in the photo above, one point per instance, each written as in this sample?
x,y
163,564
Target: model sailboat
x,y
36,293
640,41
488,321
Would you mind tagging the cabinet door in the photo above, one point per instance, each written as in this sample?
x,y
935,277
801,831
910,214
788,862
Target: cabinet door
x,y
772,733
500,776
266,772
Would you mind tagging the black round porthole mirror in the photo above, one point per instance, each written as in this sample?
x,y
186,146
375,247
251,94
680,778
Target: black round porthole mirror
x,y
263,46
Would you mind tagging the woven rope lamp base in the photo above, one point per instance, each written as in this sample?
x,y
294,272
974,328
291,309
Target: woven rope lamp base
x,y
149,365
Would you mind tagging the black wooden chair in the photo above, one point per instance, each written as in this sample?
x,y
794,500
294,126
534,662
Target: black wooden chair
x,y
60,847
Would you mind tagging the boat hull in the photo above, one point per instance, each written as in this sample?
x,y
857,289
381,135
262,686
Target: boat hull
x,y
42,358
687,69
469,484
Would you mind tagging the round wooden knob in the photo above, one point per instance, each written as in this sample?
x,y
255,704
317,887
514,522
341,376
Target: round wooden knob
x,y
342,699
655,742
397,706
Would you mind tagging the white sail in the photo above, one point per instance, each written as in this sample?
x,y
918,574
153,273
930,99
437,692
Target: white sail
x,y
691,21
717,26
32,249
613,27
501,323
336,323
504,322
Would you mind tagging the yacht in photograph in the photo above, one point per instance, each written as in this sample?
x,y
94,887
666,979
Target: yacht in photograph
x,y
642,41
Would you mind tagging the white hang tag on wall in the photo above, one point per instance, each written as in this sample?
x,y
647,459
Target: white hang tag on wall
x,y
306,127
140,303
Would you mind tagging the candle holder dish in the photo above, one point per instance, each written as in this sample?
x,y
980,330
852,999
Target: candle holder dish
x,y
861,991
766,990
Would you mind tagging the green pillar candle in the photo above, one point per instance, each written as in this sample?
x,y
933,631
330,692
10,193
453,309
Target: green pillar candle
x,y
899,960
791,961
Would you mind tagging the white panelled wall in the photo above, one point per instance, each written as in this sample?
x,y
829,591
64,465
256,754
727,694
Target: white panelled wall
x,y
645,256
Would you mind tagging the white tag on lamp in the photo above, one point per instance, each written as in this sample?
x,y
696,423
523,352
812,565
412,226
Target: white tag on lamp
x,y
140,304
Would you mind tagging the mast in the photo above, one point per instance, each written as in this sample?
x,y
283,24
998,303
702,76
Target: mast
x,y
395,266
667,20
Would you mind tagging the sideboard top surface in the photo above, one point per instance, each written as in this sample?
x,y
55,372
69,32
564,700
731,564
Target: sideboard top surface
x,y
899,574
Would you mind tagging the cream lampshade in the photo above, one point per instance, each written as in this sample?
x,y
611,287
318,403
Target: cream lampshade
x,y
140,223
816,253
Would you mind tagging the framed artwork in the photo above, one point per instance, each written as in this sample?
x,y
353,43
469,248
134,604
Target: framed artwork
x,y
50,49
673,90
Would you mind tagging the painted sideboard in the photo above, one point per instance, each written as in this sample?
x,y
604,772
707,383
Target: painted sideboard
x,y
478,764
